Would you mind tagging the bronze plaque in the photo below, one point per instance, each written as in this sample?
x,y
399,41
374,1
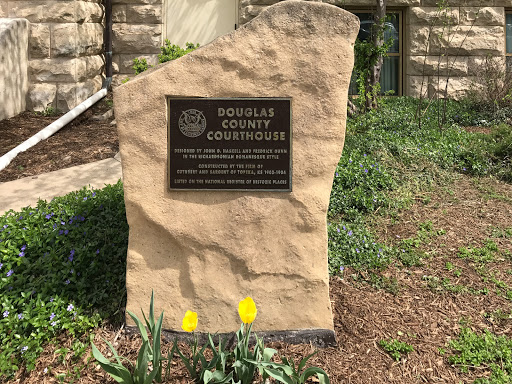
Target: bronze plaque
x,y
239,144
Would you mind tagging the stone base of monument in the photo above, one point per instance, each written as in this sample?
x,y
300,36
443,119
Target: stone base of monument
x,y
321,338
229,155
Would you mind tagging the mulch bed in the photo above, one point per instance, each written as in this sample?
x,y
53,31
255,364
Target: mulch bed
x,y
423,317
82,141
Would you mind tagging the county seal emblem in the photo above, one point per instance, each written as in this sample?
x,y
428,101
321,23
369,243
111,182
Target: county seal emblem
x,y
192,123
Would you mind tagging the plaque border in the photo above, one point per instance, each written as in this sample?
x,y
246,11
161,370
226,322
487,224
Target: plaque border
x,y
168,99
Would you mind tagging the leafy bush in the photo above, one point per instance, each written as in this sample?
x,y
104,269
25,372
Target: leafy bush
x,y
173,52
168,52
140,65
62,267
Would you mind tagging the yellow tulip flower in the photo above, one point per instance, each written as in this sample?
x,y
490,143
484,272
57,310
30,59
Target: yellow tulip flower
x,y
247,310
189,321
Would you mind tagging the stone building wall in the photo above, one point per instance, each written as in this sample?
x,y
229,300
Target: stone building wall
x,y
137,33
65,61
477,29
13,66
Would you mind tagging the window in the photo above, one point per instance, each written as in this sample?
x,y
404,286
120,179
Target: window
x,y
391,73
508,41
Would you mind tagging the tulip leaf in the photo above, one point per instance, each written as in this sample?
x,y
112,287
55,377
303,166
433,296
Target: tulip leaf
x,y
303,362
142,328
268,353
278,375
141,366
320,373
118,372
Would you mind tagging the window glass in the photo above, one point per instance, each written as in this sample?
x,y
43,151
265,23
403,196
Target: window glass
x,y
390,72
389,75
391,31
509,32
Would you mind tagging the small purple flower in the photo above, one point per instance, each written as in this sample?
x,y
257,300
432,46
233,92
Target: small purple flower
x,y
361,165
24,349
93,194
21,254
67,281
464,168
97,251
365,171
24,247
52,316
20,316
344,228
350,233
350,161
1,265
70,307
337,174
72,271
31,213
48,216
364,155
62,223
53,323
6,313
51,299
338,230
10,272
342,268
85,198
357,250
66,232
61,232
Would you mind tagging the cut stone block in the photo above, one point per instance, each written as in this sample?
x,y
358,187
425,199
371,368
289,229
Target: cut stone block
x,y
205,251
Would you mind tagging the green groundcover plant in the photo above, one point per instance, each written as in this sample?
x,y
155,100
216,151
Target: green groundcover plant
x,y
62,268
386,156
472,350
62,263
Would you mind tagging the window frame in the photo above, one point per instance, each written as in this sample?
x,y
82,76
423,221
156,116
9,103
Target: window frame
x,y
400,52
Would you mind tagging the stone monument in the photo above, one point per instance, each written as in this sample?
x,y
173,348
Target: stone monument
x,y
228,156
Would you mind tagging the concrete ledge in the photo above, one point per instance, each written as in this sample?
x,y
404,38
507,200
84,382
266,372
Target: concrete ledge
x,y
321,338
27,191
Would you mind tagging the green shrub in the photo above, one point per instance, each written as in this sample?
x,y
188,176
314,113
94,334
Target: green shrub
x,y
140,65
173,52
62,267
168,52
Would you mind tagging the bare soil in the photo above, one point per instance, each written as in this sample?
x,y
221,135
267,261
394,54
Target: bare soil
x,y
82,141
406,306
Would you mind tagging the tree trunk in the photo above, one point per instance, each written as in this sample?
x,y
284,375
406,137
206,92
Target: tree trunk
x,y
378,41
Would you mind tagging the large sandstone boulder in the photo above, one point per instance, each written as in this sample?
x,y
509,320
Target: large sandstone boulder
x,y
207,250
